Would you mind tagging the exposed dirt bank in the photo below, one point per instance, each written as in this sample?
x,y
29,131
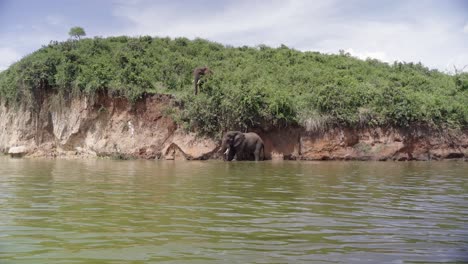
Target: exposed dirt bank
x,y
109,126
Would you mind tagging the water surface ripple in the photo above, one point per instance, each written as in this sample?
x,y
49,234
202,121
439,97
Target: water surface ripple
x,y
104,211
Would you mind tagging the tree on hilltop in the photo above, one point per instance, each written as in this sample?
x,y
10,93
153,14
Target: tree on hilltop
x,y
77,32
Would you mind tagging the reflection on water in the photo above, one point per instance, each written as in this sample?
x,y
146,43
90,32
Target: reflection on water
x,y
103,211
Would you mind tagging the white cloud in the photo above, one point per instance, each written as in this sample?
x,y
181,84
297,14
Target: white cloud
x,y
380,55
7,57
308,25
55,20
408,30
237,23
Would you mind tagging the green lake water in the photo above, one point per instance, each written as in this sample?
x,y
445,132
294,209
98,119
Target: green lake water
x,y
106,211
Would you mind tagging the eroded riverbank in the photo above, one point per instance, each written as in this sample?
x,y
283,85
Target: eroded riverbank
x,y
107,126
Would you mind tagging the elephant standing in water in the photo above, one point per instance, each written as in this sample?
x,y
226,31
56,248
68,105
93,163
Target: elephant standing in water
x,y
243,146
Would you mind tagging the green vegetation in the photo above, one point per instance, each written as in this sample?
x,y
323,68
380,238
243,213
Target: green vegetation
x,y
251,86
77,32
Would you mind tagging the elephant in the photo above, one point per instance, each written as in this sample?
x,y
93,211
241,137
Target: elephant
x,y
198,73
242,146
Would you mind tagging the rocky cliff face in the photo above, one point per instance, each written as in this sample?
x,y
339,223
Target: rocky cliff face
x,y
367,144
107,126
101,127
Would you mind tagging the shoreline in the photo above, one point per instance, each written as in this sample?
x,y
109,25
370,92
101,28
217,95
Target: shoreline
x,y
110,158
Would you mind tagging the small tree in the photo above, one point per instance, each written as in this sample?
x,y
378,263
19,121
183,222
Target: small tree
x,y
77,32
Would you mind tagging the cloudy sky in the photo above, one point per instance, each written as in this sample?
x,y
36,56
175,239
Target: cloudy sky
x,y
432,32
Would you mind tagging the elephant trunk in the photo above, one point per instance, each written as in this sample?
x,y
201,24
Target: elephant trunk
x,y
224,149
228,152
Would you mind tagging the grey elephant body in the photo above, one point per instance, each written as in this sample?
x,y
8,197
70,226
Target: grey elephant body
x,y
242,146
198,73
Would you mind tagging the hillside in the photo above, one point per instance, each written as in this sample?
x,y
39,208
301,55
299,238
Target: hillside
x,y
252,87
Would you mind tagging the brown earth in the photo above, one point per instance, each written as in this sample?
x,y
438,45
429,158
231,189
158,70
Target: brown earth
x,y
111,126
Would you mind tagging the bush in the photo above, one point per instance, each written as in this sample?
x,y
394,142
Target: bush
x,y
251,86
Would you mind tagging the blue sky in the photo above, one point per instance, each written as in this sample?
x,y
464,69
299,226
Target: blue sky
x,y
432,32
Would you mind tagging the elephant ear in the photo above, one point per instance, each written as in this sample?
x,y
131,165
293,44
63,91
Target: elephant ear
x,y
238,139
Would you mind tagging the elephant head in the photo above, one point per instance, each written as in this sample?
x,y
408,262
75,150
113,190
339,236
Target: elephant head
x,y
231,144
242,146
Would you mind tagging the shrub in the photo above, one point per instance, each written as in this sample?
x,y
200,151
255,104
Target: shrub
x,y
251,86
